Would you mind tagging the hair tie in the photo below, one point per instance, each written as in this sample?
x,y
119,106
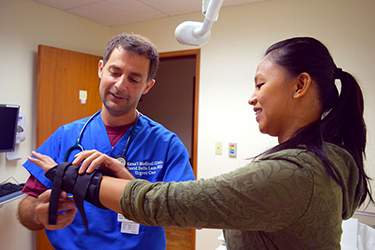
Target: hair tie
x,y
338,73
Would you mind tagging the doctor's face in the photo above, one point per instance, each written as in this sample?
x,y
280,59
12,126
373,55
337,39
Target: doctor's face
x,y
123,81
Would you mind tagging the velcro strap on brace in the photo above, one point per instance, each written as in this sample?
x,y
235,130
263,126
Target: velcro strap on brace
x,y
83,187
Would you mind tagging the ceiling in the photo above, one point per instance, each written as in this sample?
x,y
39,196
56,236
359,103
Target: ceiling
x,y
119,12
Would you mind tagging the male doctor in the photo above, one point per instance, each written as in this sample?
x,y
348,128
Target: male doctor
x,y
127,70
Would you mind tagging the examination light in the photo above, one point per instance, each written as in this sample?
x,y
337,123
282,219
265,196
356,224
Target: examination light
x,y
198,33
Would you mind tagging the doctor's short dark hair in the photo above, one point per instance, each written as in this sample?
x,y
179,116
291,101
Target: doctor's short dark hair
x,y
135,44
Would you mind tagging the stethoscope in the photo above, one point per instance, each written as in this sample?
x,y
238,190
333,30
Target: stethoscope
x,y
78,146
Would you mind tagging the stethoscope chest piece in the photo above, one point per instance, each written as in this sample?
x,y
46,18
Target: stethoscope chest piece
x,y
122,159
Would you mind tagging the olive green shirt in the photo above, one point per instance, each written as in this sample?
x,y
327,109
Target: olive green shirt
x,y
285,200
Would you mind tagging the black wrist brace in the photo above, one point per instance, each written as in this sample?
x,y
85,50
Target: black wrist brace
x,y
83,187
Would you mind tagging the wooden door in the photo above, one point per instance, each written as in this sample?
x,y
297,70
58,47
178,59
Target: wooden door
x,y
61,75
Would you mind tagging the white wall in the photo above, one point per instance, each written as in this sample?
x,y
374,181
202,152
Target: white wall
x,y
228,62
23,25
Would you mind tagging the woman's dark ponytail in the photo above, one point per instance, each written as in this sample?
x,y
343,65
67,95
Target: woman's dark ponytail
x,y
342,121
344,125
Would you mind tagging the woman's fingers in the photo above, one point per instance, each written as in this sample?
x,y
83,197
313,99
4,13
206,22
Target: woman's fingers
x,y
43,161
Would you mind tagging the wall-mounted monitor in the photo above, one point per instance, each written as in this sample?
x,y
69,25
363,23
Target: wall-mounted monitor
x,y
8,126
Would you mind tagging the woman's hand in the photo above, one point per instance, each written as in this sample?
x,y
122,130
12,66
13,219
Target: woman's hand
x,y
43,161
90,159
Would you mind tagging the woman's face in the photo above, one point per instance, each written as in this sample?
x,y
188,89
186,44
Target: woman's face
x,y
272,99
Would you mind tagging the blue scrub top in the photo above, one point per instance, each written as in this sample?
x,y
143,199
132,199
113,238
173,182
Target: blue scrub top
x,y
154,154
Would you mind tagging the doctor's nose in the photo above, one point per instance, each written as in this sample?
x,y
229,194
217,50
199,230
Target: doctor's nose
x,y
253,100
121,83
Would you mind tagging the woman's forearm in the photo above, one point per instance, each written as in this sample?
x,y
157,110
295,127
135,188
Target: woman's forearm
x,y
110,192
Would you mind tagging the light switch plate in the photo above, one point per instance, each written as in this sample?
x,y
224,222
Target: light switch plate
x,y
218,148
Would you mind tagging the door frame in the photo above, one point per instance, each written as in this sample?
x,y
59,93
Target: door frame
x,y
197,54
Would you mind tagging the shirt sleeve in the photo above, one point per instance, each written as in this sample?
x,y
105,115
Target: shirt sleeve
x,y
266,195
33,187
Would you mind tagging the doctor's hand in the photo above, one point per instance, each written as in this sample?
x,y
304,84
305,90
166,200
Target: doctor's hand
x,y
66,208
90,159
43,161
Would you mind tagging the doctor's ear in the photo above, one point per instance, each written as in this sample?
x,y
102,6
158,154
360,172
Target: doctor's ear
x,y
100,69
302,85
149,85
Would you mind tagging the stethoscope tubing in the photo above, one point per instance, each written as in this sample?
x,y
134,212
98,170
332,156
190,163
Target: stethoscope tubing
x,y
79,146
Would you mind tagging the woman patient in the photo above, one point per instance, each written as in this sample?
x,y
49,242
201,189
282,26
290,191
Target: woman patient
x,y
293,196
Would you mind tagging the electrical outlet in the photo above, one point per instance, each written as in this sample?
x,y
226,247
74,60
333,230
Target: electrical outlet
x,y
219,148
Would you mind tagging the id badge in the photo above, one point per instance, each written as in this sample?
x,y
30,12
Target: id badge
x,y
128,226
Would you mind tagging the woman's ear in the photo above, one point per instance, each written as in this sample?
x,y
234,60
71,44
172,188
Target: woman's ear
x,y
302,85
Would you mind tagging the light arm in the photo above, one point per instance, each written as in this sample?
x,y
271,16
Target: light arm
x,y
198,33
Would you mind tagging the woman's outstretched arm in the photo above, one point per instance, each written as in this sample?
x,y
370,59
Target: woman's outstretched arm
x,y
110,192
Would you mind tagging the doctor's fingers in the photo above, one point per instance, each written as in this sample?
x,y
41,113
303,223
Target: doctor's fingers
x,y
65,204
45,196
43,161
91,159
65,217
82,156
63,220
